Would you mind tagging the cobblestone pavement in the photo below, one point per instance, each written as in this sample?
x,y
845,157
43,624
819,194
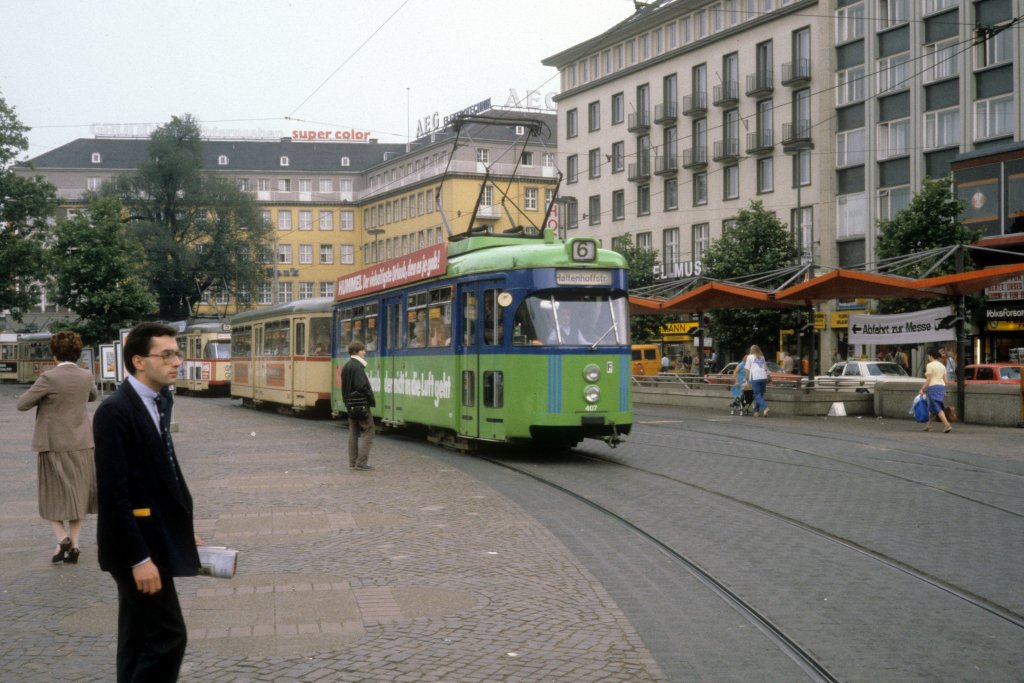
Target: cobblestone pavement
x,y
413,572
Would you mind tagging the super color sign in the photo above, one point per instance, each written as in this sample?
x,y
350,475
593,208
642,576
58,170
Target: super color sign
x,y
419,265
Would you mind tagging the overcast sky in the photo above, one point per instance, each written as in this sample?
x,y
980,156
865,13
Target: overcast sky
x,y
68,67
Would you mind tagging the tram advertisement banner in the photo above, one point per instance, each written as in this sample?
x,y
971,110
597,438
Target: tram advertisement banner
x,y
915,327
419,265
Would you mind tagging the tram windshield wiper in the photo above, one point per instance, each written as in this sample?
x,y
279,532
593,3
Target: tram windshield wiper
x,y
601,338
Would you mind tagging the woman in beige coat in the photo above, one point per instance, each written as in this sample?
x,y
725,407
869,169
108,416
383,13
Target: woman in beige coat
x,y
63,439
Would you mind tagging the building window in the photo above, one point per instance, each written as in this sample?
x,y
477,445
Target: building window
x,y
997,47
893,13
850,86
284,219
571,168
594,158
594,116
263,184
487,196
701,239
547,160
850,215
222,160
700,189
892,200
284,161
643,200
326,289
941,60
802,168
284,254
595,210
801,223
894,73
942,128
265,217
526,159
93,183
346,254
305,254
348,220
305,185
243,184
483,155
305,290
850,148
893,139
285,292
530,199
671,194
326,254
993,117
305,220
731,182
765,175
933,6
669,248
850,23
618,205
618,157
326,185
571,123
326,220
644,240
345,161
265,294
96,158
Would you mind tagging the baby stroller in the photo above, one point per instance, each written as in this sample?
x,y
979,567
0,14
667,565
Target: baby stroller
x,y
742,399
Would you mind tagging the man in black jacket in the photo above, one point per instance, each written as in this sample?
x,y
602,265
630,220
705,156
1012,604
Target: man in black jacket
x,y
145,534
357,395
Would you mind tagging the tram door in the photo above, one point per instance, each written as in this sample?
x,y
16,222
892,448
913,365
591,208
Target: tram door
x,y
482,399
390,342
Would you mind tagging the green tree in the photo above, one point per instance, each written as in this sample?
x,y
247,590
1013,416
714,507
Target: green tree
x,y
198,230
97,272
25,206
931,220
757,243
641,263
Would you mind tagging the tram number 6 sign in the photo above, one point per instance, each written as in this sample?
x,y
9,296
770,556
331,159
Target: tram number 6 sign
x,y
584,250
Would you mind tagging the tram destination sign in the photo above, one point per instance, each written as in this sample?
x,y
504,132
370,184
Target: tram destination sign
x,y
419,265
601,278
914,327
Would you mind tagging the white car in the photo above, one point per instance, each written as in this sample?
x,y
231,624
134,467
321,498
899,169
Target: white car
x,y
860,374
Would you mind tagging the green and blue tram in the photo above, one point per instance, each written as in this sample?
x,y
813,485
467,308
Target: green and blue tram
x,y
493,338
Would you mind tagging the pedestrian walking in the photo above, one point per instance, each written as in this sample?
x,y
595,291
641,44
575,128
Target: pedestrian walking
x,y
357,395
145,528
757,375
787,362
934,390
63,440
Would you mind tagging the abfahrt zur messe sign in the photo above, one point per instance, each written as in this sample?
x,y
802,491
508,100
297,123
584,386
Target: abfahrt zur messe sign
x,y
916,327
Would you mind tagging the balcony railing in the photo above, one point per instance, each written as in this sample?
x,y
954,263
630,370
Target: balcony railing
x,y
640,171
759,83
760,142
796,134
726,94
639,121
666,165
797,72
695,104
727,149
665,113
695,157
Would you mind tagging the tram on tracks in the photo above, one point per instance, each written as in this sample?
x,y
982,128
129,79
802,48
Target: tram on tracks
x,y
206,361
8,357
25,356
281,355
494,338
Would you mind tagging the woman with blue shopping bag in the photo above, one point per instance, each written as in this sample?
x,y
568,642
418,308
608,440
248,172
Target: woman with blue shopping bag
x,y
934,390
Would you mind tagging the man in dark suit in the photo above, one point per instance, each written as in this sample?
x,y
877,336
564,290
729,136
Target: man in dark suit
x,y
145,533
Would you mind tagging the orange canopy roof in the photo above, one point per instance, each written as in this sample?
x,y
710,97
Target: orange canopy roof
x,y
713,295
852,284
959,284
641,305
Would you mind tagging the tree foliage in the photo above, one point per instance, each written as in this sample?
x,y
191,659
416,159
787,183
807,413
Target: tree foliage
x,y
641,263
199,231
97,272
931,220
26,204
757,243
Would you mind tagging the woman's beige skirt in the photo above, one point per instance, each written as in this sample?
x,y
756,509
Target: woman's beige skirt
x,y
67,484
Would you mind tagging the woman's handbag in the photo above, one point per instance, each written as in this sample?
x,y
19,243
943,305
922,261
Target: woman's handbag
x,y
920,408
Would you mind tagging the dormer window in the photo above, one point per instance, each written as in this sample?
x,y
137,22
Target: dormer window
x,y
96,158
284,161
344,161
222,160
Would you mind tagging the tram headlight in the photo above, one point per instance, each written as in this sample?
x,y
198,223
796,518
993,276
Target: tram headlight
x,y
592,393
591,373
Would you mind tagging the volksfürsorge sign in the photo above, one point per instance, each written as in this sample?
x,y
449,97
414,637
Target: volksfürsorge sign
x,y
916,327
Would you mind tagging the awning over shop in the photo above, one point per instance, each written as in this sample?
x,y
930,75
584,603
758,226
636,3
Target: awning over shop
x,y
962,284
852,284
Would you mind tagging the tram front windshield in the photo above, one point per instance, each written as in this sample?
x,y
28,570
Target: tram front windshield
x,y
572,319
217,349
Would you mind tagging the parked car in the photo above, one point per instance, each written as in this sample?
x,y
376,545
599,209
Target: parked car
x,y
775,375
861,375
992,373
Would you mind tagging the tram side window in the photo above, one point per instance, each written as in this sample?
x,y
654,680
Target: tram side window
x,y
440,316
8,352
320,337
394,331
468,388
372,327
468,319
416,320
300,337
275,339
494,389
493,329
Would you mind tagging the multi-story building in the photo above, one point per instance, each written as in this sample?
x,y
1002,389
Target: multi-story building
x,y
338,206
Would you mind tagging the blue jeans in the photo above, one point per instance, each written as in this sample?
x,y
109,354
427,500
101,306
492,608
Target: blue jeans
x,y
759,386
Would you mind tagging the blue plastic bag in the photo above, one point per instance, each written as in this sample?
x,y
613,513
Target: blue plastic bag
x,y
920,408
